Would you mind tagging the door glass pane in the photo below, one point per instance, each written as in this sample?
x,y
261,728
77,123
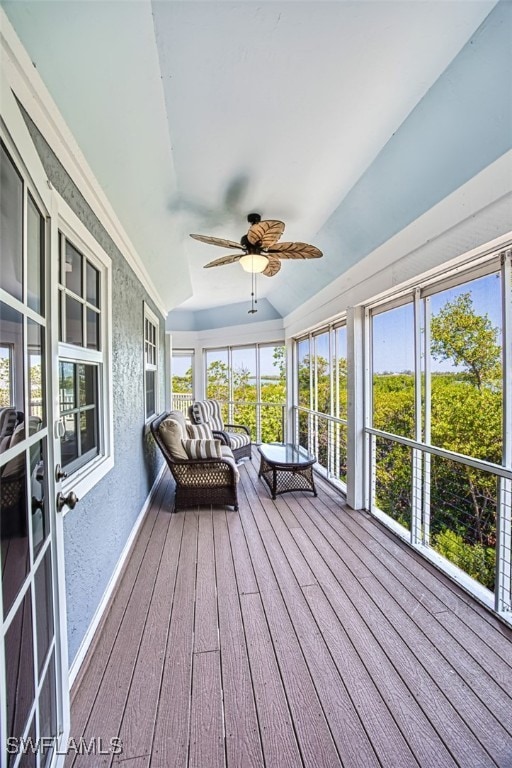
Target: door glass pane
x,y
36,382
88,430
13,506
74,321
66,386
29,758
39,506
393,371
69,442
93,329
19,666
48,711
12,372
73,269
44,608
93,282
35,255
14,525
87,384
11,226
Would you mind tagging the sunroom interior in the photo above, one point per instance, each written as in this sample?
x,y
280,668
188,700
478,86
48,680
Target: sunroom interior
x,y
371,623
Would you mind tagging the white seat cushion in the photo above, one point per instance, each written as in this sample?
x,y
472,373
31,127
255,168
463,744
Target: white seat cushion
x,y
238,439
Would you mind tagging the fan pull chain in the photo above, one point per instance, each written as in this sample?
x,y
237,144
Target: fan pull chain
x,y
254,298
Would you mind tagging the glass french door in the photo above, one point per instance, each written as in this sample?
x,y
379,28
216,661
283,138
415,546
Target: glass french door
x,y
33,705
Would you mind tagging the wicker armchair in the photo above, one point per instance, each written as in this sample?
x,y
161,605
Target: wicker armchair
x,y
236,436
198,481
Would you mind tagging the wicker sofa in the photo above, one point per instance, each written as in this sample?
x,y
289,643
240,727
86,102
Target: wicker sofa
x,y
199,481
236,436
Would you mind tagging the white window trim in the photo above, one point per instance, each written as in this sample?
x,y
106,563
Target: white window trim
x,y
87,477
154,320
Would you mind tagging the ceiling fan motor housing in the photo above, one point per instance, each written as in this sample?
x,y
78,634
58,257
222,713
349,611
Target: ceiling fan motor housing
x,y
250,247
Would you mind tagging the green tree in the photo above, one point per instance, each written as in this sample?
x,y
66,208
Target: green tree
x,y
182,384
475,559
217,377
466,338
466,417
280,361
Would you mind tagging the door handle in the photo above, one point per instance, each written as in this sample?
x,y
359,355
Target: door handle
x,y
70,500
59,473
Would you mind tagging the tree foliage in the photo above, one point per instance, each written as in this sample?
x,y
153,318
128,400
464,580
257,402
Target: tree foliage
x,y
466,417
467,339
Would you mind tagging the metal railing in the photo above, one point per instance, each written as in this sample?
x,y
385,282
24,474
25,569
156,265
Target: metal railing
x,y
326,438
455,506
267,421
181,402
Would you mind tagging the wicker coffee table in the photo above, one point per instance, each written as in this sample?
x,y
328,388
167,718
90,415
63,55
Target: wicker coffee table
x,y
285,467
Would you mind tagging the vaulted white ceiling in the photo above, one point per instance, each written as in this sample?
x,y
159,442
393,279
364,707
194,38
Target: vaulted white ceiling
x,y
194,114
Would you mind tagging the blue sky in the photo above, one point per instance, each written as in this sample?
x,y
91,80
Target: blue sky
x,y
393,332
241,357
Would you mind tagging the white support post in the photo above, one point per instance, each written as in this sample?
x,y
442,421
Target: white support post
x,y
503,587
230,418
291,434
331,439
167,372
416,480
337,428
356,375
258,395
427,458
199,374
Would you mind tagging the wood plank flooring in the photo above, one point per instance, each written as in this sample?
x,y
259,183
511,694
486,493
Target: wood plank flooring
x,y
293,633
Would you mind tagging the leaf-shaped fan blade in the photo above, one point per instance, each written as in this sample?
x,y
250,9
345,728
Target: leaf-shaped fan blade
x,y
273,266
268,232
217,241
224,260
296,251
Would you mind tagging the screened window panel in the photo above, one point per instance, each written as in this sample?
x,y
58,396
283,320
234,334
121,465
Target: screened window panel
x,y
393,365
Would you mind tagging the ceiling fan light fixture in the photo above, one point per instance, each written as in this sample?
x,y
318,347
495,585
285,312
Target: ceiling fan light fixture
x,y
254,262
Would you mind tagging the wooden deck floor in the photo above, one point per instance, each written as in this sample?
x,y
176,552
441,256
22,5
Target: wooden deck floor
x,y
295,633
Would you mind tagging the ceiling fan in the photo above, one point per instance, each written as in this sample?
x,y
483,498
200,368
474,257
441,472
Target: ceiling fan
x,y
260,250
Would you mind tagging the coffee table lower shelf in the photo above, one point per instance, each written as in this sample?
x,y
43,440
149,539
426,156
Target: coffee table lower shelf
x,y
287,477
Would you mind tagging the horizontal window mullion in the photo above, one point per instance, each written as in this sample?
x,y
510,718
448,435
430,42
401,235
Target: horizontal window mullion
x,y
74,354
